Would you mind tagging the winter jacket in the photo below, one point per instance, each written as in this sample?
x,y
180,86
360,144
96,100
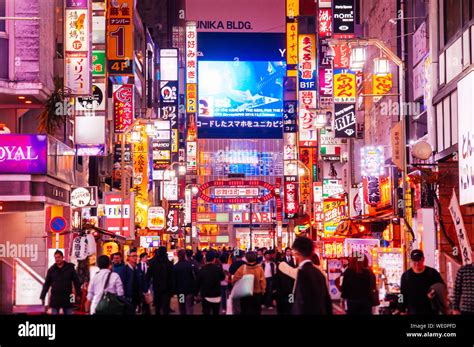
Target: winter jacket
x,y
208,282
259,283
61,280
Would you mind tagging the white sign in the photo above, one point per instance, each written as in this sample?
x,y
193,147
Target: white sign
x,y
332,187
461,232
94,102
98,29
191,52
77,75
233,192
187,205
156,218
77,31
28,284
466,139
420,43
83,197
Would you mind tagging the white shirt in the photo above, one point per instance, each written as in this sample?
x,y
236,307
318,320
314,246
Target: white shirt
x,y
96,287
304,262
268,269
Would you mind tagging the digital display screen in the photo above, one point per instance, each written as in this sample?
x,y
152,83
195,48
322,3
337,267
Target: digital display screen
x,y
247,89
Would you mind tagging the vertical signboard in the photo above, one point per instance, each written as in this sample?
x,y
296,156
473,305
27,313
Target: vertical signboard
x,y
292,43
461,231
344,120
169,111
191,53
343,17
324,22
77,47
123,98
344,86
120,37
334,212
118,214
140,179
291,196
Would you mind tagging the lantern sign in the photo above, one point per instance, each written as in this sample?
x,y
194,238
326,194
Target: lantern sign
x,y
123,97
291,196
372,161
372,192
344,86
382,84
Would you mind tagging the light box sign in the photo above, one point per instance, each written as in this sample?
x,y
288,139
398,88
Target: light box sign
x,y
345,120
241,99
343,16
372,161
23,154
156,218
291,196
120,37
307,62
325,22
344,86
123,98
233,192
117,215
334,212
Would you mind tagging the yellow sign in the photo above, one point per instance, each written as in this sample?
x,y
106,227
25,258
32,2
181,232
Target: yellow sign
x,y
120,37
110,248
344,86
191,98
382,84
140,179
292,8
292,43
334,212
397,146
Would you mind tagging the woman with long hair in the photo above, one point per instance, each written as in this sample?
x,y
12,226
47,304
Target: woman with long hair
x,y
358,287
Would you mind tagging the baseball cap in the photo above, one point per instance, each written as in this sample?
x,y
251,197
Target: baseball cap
x,y
416,255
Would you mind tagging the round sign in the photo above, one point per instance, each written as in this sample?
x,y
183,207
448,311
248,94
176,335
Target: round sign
x,y
80,197
58,224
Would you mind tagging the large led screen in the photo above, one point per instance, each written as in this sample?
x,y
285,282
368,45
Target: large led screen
x,y
240,99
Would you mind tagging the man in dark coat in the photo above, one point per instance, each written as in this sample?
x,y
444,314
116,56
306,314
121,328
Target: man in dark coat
x,y
289,259
160,275
60,277
184,282
208,284
311,295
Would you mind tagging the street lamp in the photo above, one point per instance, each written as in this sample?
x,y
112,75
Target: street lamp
x,y
358,56
381,66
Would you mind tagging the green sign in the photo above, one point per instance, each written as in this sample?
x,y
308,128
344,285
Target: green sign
x,y
98,63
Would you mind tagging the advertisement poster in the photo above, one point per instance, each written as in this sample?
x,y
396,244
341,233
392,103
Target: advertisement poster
x,y
156,218
334,212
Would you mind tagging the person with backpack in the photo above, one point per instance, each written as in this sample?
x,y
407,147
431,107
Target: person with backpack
x,y
252,305
104,281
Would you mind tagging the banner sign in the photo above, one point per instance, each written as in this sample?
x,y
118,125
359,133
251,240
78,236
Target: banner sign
x,y
397,146
372,193
461,231
123,97
324,22
334,212
345,90
382,84
343,16
120,37
307,62
291,196
117,216
292,43
345,120
191,54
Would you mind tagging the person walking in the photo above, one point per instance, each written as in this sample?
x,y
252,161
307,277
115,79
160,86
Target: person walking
x,y
239,261
224,263
160,276
358,287
269,269
132,283
208,284
463,302
415,289
289,259
97,284
252,305
61,277
184,283
283,286
311,295
142,270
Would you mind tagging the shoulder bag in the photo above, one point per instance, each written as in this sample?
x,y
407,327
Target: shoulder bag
x,y
109,303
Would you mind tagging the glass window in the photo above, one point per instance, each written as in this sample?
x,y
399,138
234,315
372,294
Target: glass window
x,y
466,11
3,58
452,19
2,14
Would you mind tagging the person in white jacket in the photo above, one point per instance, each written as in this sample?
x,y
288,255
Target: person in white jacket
x,y
96,285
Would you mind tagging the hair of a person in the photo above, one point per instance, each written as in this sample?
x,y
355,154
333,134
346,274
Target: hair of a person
x,y
199,257
132,250
143,255
224,257
356,264
287,248
181,255
267,253
315,259
114,254
189,253
251,257
103,262
304,246
210,256
59,252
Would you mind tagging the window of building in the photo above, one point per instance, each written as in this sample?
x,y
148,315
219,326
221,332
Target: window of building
x,y
4,52
452,19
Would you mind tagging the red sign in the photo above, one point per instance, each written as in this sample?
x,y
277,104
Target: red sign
x,y
291,196
325,22
123,107
117,216
372,190
342,56
262,217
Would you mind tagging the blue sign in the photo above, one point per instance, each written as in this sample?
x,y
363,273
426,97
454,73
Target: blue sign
x,y
58,224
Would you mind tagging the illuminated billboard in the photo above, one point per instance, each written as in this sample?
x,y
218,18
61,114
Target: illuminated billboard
x,y
243,98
